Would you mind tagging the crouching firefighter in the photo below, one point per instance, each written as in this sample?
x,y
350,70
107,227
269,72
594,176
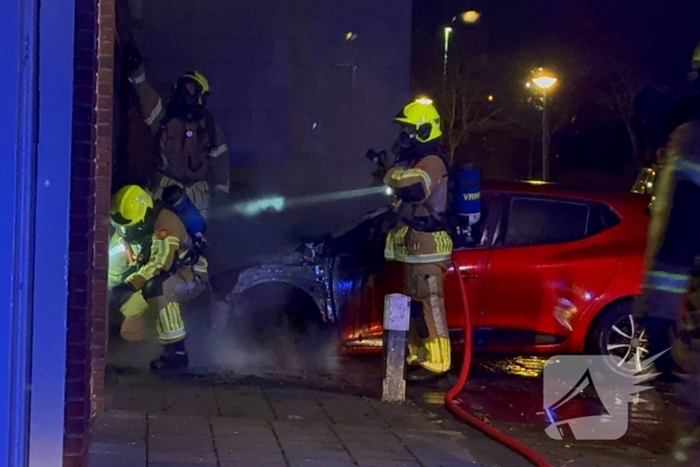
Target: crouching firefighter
x,y
672,252
419,180
171,270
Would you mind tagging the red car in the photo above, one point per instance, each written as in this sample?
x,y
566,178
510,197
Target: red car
x,y
540,248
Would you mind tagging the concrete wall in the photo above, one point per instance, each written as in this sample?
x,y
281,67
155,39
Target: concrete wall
x,y
282,82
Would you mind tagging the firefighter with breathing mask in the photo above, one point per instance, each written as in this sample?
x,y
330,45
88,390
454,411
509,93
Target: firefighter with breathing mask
x,y
419,180
193,150
170,270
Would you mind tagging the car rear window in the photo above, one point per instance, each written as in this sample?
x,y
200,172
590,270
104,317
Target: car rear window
x,y
536,221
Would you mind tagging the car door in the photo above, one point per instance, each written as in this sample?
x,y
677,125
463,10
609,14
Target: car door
x,y
473,264
359,269
554,250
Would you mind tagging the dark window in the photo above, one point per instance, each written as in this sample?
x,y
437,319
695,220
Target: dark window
x,y
536,221
601,218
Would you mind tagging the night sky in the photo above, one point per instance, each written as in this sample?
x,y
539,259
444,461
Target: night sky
x,y
585,43
665,32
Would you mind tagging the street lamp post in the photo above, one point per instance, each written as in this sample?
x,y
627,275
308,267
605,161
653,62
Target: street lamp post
x,y
468,17
545,82
446,48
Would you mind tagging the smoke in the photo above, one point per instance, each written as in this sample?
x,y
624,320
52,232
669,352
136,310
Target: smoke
x,y
225,342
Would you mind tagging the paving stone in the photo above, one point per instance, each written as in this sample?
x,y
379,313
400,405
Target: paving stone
x,y
119,426
350,410
170,464
138,399
116,460
178,458
200,401
319,462
404,415
236,426
190,427
234,403
179,443
247,444
134,449
263,457
437,448
386,463
235,463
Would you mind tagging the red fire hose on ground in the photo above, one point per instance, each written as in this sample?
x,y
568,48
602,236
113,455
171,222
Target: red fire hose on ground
x,y
462,414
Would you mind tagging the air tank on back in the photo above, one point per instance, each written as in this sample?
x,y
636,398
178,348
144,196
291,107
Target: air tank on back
x,y
175,198
466,199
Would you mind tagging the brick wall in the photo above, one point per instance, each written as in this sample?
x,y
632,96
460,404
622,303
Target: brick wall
x,y
102,180
90,191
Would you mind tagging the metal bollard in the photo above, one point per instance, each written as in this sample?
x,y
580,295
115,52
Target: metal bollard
x,y
397,310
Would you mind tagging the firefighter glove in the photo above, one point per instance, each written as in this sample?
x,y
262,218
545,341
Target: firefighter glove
x,y
132,58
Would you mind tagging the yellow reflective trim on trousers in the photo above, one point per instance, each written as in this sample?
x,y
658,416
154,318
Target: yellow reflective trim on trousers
x,y
439,355
438,316
171,326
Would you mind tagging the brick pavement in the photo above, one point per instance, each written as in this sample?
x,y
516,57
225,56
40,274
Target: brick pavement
x,y
182,423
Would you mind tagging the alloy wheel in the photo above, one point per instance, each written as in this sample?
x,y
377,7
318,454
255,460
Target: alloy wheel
x,y
627,340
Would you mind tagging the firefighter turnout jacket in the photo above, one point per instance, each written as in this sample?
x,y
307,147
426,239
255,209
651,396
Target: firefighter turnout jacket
x,y
674,233
421,235
185,159
170,243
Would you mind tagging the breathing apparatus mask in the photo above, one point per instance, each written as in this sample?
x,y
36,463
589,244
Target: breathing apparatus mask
x,y
187,100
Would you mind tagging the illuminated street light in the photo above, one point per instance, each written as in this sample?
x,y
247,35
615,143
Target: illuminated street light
x,y
544,81
471,16
468,17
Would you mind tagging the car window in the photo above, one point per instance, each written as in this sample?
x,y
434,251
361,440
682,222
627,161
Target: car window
x,y
536,221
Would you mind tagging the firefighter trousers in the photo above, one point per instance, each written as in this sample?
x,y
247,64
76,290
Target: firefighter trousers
x,y
428,336
162,297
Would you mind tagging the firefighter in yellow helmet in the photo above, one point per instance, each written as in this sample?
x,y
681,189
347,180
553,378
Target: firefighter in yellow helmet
x,y
193,150
419,180
170,270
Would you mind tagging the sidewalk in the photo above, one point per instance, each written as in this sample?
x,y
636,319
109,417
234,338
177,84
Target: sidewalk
x,y
254,422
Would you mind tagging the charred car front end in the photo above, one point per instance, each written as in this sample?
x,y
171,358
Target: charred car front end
x,y
325,271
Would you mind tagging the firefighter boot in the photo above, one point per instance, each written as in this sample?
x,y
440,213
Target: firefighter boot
x,y
437,363
660,336
174,357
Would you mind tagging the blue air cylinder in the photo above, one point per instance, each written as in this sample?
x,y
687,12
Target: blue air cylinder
x,y
467,199
176,199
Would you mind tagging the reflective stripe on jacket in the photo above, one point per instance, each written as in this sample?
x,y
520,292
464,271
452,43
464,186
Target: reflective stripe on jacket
x,y
423,188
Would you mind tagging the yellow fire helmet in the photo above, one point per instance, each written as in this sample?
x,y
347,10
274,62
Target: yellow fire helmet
x,y
201,80
130,206
423,115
